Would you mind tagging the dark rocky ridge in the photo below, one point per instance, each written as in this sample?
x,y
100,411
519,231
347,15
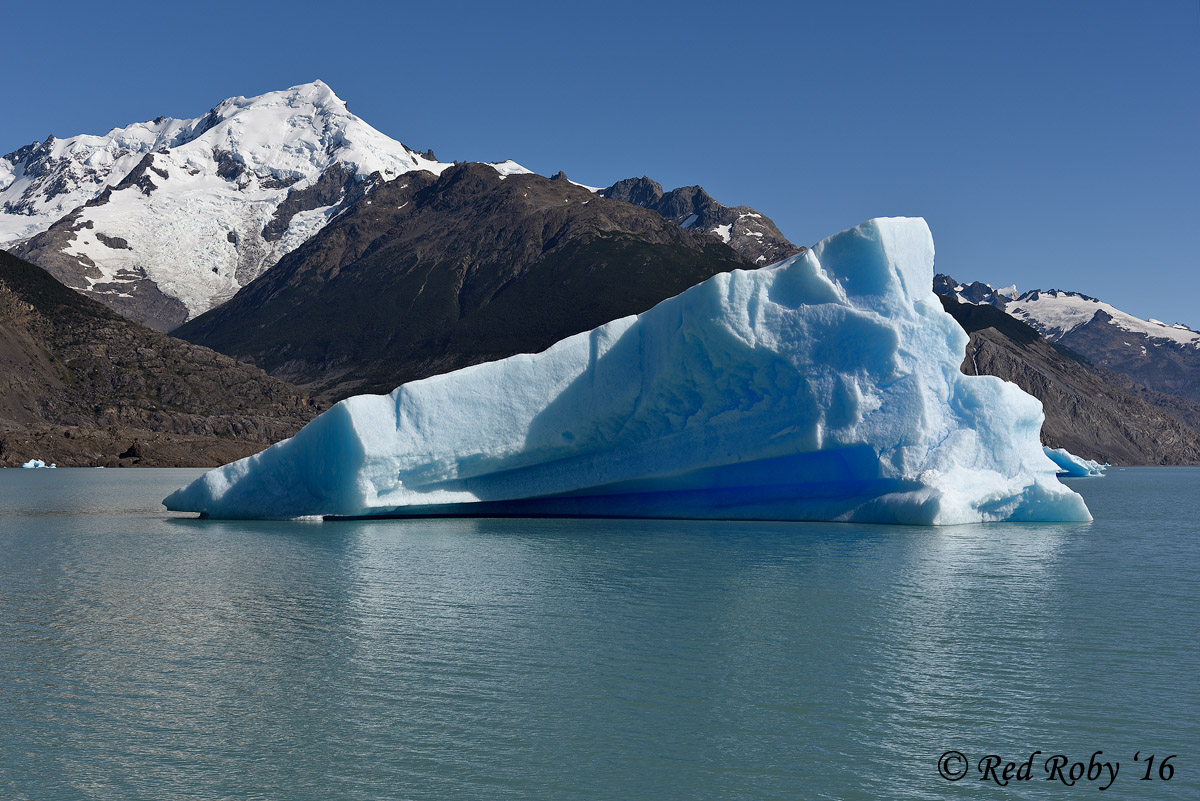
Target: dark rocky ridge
x,y
1184,410
751,233
82,386
1087,412
429,274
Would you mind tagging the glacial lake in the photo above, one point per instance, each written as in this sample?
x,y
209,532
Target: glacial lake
x,y
146,656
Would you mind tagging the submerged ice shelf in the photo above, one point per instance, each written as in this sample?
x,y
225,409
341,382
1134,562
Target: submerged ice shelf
x,y
826,387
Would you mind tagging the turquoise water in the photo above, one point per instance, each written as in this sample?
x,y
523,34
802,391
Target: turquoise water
x,y
150,657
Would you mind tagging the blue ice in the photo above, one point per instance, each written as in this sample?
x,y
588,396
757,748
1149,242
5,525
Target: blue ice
x,y
825,387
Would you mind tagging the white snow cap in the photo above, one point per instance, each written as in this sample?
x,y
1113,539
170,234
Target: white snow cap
x,y
290,134
826,387
1055,313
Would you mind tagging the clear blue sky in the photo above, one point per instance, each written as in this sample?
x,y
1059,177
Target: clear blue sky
x,y
1048,144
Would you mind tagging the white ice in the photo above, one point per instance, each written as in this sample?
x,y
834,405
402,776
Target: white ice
x,y
37,463
1074,466
826,387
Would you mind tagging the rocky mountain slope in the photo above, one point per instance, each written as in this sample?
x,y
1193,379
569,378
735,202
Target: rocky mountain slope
x,y
431,273
748,232
84,386
1163,358
1087,412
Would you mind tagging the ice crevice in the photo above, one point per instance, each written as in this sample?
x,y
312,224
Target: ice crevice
x,y
825,387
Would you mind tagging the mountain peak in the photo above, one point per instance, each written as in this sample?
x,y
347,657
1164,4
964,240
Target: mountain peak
x,y
314,94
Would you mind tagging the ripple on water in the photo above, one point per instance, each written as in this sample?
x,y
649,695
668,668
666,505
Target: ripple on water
x,y
149,656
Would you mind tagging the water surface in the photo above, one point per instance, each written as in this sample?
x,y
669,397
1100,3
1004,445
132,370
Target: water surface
x,y
149,656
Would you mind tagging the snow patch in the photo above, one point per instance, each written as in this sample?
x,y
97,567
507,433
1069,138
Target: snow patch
x,y
510,167
592,189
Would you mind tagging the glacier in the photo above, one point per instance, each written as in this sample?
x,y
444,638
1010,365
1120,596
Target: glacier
x,y
825,387
1073,466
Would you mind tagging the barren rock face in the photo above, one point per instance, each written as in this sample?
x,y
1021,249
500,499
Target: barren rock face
x,y
84,386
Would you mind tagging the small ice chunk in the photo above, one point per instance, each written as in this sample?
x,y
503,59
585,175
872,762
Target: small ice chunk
x,y
1073,466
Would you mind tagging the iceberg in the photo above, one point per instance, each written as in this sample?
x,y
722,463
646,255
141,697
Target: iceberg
x,y
825,387
36,464
1074,466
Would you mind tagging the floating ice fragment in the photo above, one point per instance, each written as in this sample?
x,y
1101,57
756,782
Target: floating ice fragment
x,y
826,387
1074,466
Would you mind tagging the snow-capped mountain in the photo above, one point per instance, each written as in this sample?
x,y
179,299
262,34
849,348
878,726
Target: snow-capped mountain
x,y
1163,357
42,182
163,220
1055,313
